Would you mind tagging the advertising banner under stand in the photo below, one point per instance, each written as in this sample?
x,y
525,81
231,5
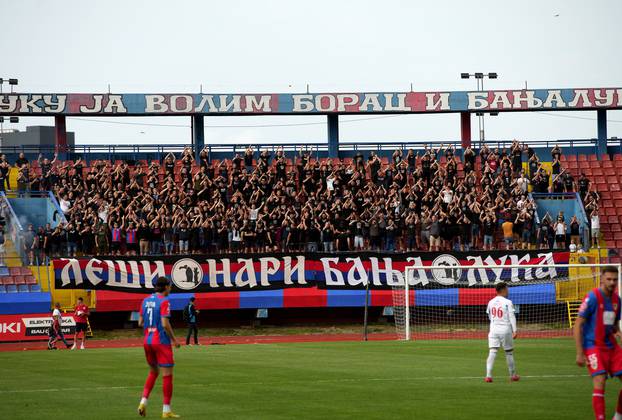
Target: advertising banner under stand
x,y
26,327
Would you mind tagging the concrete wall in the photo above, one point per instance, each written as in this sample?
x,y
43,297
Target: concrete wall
x,y
38,135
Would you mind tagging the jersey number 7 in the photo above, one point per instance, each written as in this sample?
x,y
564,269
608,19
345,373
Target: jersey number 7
x,y
150,315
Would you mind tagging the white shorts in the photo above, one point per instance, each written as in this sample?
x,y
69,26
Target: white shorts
x,y
496,340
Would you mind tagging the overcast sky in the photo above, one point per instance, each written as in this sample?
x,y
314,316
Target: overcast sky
x,y
281,46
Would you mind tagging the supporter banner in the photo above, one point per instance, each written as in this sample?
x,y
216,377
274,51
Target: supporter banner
x,y
308,103
25,327
246,272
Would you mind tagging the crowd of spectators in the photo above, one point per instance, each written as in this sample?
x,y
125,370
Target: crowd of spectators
x,y
264,202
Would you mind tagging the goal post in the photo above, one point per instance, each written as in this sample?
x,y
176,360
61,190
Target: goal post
x,y
449,300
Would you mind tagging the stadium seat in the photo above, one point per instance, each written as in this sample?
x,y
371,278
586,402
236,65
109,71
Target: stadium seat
x,y
14,271
23,288
35,288
30,279
11,288
19,280
602,186
8,280
4,271
2,289
25,271
582,158
610,171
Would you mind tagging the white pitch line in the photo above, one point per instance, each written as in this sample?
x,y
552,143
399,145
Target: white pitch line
x,y
419,378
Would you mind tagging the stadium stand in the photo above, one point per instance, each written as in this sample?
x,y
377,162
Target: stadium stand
x,y
261,201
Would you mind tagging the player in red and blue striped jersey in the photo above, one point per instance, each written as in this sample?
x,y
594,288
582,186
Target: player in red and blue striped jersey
x,y
595,334
158,343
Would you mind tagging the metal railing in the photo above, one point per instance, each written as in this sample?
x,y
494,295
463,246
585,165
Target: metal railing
x,y
159,151
26,194
13,226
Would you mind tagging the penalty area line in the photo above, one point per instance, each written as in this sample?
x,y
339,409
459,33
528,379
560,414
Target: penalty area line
x,y
338,380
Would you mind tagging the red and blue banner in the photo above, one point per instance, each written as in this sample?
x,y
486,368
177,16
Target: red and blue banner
x,y
249,281
137,104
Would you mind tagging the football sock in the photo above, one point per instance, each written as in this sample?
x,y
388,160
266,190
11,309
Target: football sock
x,y
598,404
509,357
167,390
143,401
166,408
490,362
149,383
618,415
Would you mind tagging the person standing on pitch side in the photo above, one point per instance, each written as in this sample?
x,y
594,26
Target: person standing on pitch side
x,y
190,316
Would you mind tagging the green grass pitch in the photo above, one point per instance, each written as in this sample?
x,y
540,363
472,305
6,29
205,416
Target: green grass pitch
x,y
372,380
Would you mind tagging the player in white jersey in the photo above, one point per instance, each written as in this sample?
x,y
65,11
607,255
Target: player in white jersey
x,y
502,333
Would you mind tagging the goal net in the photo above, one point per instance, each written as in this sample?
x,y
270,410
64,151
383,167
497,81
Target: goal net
x,y
449,301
